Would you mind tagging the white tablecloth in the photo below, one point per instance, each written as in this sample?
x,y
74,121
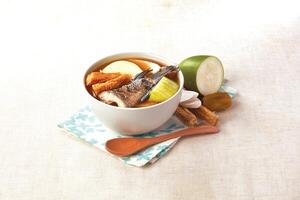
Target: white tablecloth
x,y
46,45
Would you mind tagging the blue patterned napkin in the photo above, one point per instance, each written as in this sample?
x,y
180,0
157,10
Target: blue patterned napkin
x,y
86,126
232,92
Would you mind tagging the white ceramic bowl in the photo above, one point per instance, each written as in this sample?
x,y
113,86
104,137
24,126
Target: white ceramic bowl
x,y
133,121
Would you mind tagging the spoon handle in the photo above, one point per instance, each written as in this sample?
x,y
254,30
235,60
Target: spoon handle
x,y
204,129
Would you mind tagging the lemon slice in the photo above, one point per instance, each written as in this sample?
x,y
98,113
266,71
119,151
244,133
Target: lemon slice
x,y
165,89
124,67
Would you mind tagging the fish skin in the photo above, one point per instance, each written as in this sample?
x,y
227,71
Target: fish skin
x,y
129,95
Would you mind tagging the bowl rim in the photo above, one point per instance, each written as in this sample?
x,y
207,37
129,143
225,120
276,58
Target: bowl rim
x,y
137,55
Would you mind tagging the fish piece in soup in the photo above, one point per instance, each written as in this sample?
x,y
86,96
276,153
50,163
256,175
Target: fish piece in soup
x,y
135,92
127,95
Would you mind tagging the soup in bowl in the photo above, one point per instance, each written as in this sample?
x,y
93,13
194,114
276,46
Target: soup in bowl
x,y
133,93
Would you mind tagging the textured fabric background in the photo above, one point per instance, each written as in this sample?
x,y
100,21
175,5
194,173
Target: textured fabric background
x,y
45,46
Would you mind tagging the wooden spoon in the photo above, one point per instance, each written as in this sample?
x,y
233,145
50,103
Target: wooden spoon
x,y
129,146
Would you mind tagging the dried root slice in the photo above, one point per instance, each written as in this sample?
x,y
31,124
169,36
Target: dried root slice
x,y
207,115
99,77
186,116
112,84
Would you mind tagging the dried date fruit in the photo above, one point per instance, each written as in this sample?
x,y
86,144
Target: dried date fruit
x,y
217,101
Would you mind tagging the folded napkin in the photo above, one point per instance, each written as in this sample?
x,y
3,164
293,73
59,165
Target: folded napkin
x,y
85,125
232,92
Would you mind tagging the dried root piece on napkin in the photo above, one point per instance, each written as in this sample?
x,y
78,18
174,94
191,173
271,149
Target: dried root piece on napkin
x,y
117,82
207,115
186,116
100,77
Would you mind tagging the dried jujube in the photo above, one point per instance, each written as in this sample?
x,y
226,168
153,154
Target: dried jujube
x,y
217,101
